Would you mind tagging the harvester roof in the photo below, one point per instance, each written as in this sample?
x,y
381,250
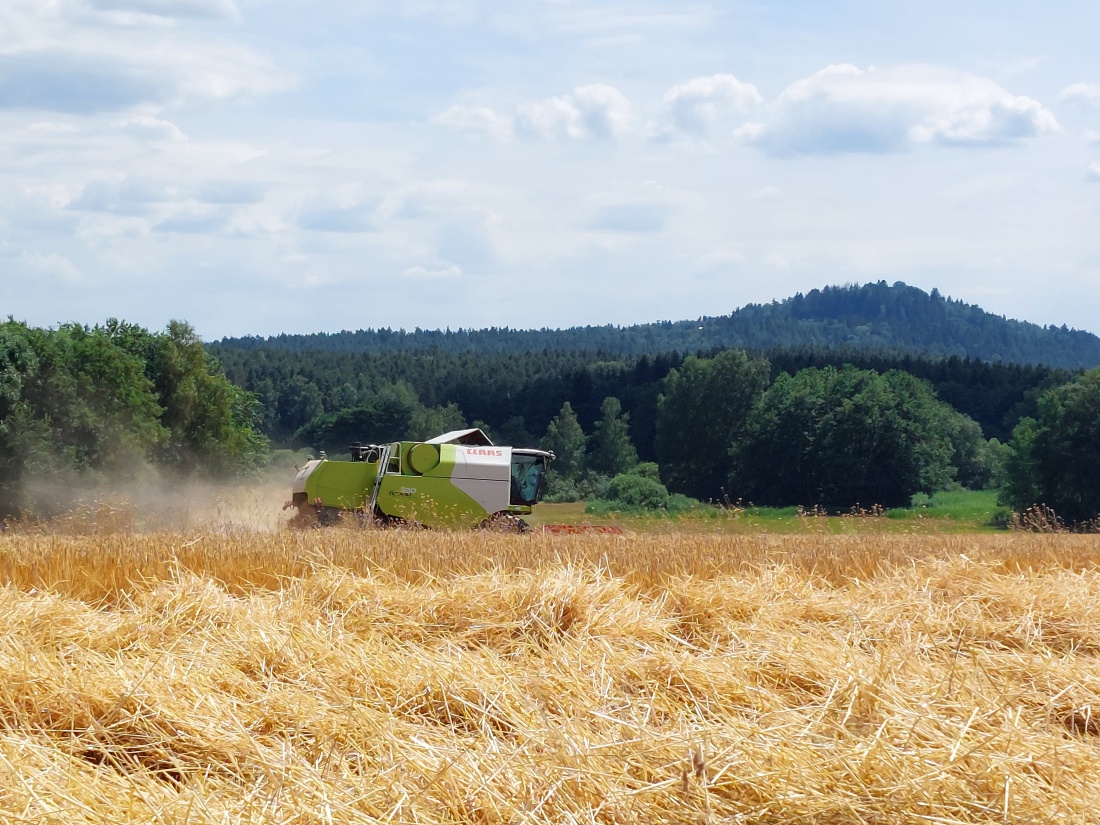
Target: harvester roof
x,y
473,437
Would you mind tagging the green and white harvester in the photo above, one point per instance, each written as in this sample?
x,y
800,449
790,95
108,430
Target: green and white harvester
x,y
457,480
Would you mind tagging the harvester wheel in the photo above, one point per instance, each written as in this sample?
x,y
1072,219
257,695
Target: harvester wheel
x,y
310,517
505,523
398,523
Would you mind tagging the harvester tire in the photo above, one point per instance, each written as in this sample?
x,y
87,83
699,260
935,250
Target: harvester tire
x,y
505,523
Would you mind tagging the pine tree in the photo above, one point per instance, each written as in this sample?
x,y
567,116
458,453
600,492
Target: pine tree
x,y
612,450
565,438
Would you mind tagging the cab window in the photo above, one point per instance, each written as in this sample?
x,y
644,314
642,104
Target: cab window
x,y
527,473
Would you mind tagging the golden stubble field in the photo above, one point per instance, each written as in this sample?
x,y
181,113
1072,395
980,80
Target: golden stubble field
x,y
359,676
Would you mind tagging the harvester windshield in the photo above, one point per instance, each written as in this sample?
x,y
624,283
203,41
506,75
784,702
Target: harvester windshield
x,y
528,473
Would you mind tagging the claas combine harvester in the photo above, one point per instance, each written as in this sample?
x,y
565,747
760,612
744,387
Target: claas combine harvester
x,y
457,480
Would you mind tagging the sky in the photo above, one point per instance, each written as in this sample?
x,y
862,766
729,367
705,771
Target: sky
x,y
264,166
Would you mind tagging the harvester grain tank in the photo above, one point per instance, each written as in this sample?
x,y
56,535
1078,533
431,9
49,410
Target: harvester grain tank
x,y
457,480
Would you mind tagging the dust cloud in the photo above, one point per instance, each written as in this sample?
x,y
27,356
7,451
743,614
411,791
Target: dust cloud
x,y
155,501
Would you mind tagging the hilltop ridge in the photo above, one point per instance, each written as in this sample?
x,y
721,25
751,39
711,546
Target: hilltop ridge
x,y
875,316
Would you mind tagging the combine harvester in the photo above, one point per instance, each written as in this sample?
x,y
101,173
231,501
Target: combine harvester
x,y
459,480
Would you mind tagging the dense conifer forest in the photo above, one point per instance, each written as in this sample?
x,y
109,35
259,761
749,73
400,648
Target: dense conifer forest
x,y
875,316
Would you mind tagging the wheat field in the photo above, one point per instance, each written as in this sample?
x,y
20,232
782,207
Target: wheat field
x,y
414,677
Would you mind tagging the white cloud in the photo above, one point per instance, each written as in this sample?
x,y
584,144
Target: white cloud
x,y
750,132
1085,94
592,111
477,120
282,191
605,112
554,118
150,128
424,272
67,56
599,111
846,109
51,263
55,194
692,108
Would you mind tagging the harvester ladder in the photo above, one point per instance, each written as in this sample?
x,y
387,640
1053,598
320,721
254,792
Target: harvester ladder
x,y
383,468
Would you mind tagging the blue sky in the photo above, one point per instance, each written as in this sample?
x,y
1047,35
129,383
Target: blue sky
x,y
265,166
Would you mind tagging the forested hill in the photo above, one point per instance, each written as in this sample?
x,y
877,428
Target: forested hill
x,y
878,316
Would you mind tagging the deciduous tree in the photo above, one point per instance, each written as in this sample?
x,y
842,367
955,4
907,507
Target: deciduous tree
x,y
844,437
701,412
1053,459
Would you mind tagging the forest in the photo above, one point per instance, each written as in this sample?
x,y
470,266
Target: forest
x,y
807,423
812,426
516,395
876,317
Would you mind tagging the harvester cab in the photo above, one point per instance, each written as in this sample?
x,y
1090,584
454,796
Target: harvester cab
x,y
457,480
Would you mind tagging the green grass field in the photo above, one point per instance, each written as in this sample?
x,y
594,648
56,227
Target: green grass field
x,y
960,511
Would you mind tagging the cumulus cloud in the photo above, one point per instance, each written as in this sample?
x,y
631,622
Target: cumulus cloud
x,y
592,111
480,121
1093,173
692,108
846,109
604,110
554,118
1084,94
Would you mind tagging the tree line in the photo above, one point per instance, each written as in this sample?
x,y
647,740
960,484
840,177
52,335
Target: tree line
x,y
833,437
837,437
518,394
808,426
870,317
80,405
